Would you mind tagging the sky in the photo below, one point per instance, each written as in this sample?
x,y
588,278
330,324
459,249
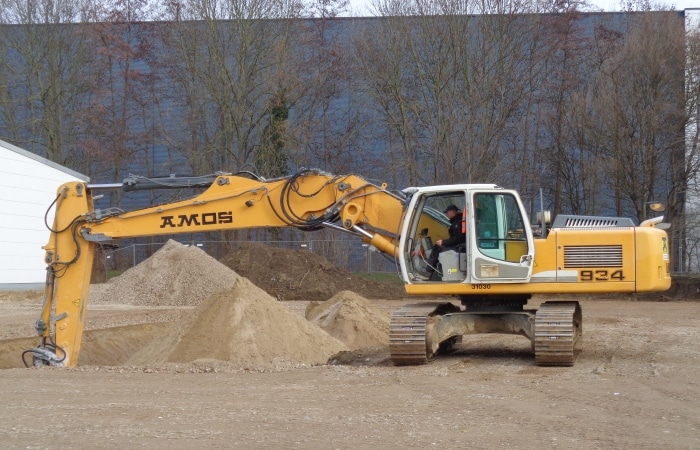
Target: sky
x,y
606,5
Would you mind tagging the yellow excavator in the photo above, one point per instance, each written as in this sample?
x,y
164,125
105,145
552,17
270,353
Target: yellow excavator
x,y
493,274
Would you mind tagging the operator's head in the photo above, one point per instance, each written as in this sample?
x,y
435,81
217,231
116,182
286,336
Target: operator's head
x,y
451,211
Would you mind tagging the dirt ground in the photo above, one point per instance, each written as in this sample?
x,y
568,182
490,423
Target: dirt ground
x,y
635,384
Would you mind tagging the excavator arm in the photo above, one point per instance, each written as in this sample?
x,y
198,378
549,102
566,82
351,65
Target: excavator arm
x,y
308,200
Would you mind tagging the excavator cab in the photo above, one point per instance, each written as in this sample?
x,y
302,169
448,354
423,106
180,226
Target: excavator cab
x,y
499,245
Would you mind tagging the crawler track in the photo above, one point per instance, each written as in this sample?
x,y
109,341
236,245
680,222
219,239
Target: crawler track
x,y
557,333
407,334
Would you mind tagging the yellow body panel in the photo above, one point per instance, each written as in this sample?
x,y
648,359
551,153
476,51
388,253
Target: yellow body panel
x,y
653,260
611,260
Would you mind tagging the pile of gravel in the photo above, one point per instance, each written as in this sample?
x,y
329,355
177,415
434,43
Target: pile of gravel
x,y
352,319
245,327
176,275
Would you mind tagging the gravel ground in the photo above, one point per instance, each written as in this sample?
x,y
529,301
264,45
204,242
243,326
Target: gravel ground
x,y
635,385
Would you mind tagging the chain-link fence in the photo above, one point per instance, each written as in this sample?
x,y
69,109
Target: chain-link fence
x,y
351,255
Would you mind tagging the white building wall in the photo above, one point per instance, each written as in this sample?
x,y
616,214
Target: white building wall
x,y
28,185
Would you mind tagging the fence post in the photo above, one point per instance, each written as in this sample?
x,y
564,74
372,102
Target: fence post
x,y
368,253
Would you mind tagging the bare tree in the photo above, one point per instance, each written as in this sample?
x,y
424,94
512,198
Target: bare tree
x,y
323,125
451,88
379,54
504,56
567,158
225,60
685,230
692,108
117,117
44,52
639,98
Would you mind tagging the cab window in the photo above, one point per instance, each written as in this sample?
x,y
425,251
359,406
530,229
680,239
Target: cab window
x,y
499,227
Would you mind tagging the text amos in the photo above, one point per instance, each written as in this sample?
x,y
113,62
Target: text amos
x,y
190,220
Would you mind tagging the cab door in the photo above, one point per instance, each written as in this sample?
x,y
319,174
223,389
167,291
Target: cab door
x,y
501,241
426,223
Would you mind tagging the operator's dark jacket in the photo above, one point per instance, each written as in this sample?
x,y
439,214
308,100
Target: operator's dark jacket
x,y
456,238
455,230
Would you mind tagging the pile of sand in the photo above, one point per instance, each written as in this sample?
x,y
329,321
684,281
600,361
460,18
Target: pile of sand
x,y
176,275
244,326
351,319
235,321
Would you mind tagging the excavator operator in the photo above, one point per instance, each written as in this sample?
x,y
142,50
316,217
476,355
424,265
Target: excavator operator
x,y
457,237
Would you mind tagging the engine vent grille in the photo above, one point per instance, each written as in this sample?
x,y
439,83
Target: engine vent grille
x,y
568,221
587,223
592,256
